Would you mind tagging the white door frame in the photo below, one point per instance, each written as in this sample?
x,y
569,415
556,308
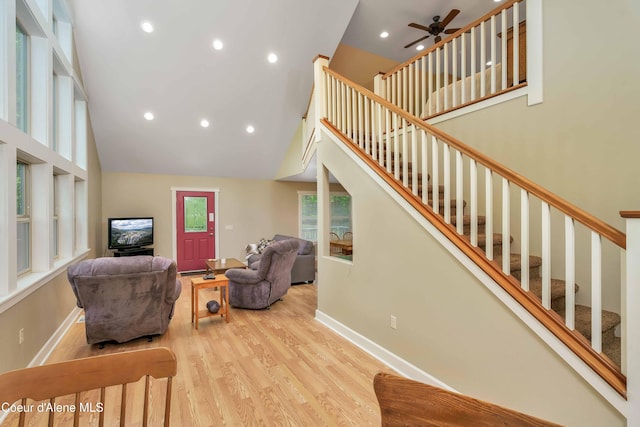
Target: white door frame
x,y
216,212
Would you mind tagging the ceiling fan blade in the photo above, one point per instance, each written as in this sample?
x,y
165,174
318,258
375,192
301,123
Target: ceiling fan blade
x,y
419,40
450,16
437,39
451,30
420,27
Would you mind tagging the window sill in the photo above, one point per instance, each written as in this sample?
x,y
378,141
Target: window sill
x,y
29,283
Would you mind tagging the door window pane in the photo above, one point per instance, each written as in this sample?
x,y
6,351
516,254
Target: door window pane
x,y
195,214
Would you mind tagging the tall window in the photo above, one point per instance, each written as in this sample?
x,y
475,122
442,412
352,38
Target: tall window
x,y
54,109
22,79
56,224
23,203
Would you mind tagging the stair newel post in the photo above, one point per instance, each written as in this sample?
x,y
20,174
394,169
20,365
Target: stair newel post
x,y
320,97
631,315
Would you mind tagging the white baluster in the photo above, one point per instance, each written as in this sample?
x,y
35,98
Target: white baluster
x,y
366,132
493,54
446,165
445,75
405,154
506,227
425,160
488,227
396,149
360,116
410,73
570,272
483,59
524,238
429,77
459,191
438,76
596,292
473,183
423,76
405,97
380,135
473,64
463,68
516,44
387,146
435,199
343,102
350,124
414,159
546,256
454,72
503,76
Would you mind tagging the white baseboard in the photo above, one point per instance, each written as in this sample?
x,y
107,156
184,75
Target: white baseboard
x,y
53,341
395,362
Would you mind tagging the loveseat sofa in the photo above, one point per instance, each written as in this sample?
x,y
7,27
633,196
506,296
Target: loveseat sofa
x,y
304,267
126,297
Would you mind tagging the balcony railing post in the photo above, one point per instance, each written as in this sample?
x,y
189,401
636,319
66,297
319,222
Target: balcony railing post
x,y
631,316
320,95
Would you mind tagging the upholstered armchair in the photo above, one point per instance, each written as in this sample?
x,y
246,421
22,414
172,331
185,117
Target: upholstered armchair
x,y
271,280
304,266
125,297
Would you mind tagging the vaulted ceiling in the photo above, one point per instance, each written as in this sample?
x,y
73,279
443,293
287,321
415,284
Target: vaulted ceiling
x,y
175,73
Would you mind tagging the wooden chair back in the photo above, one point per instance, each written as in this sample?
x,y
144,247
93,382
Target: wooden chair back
x,y
405,402
72,377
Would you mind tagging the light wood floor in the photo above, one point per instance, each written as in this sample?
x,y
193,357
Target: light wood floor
x,y
267,367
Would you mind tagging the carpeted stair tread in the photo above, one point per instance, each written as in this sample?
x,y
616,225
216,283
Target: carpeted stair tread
x,y
466,220
557,288
482,239
583,320
516,261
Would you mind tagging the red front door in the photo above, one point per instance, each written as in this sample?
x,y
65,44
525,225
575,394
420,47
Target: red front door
x,y
195,227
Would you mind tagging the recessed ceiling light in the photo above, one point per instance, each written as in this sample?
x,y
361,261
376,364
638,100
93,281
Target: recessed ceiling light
x,y
384,35
250,129
420,47
273,58
148,115
146,26
217,44
204,123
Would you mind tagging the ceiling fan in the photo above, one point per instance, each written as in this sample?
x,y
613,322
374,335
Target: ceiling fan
x,y
436,27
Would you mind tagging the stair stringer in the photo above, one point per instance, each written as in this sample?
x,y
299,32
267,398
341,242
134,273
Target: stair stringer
x,y
570,358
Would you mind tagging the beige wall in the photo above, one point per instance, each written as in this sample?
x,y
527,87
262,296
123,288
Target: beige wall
x,y
448,323
359,65
292,162
254,208
41,313
581,142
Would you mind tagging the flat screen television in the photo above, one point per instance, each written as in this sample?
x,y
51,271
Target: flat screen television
x,y
129,233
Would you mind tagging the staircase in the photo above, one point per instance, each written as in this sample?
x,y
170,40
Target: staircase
x,y
610,343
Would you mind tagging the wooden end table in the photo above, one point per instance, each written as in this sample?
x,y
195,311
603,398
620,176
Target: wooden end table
x,y
198,283
216,266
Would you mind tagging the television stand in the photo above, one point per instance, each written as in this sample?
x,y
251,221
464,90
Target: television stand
x,y
133,252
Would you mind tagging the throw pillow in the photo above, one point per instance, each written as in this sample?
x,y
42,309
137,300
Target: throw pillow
x,y
263,243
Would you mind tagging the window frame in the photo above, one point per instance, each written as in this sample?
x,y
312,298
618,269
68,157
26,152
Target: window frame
x,y
23,57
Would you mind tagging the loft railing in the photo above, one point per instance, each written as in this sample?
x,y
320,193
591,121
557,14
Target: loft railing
x,y
481,60
435,173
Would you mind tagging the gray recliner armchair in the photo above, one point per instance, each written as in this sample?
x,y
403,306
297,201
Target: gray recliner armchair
x,y
304,266
262,287
125,297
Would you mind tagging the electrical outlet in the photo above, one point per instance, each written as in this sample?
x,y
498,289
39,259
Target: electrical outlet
x,y
392,322
21,336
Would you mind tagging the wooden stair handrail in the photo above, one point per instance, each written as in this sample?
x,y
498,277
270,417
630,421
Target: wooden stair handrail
x,y
551,320
442,42
611,233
